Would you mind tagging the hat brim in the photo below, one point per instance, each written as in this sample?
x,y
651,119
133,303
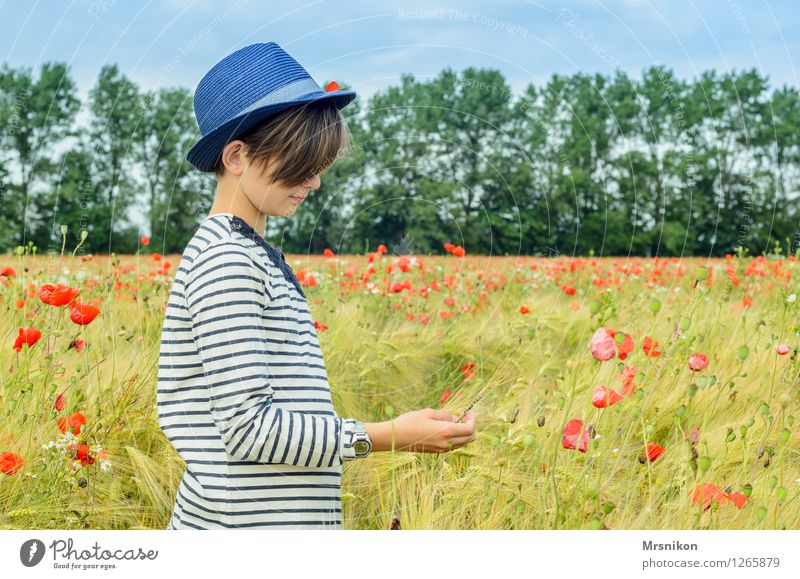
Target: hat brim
x,y
206,152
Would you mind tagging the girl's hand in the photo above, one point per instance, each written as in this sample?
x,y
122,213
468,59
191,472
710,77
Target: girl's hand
x,y
430,430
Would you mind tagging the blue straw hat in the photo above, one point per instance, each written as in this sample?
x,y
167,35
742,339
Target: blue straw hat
x,y
244,89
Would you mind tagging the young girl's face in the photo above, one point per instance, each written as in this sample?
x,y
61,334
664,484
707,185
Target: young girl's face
x,y
270,198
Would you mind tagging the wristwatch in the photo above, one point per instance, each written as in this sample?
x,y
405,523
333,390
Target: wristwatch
x,y
362,443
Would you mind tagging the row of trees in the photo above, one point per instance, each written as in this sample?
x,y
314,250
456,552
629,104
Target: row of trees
x,y
606,164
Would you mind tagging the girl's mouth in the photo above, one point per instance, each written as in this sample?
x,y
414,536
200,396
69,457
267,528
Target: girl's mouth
x,y
297,199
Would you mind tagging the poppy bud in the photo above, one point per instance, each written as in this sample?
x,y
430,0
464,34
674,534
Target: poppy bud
x,y
540,421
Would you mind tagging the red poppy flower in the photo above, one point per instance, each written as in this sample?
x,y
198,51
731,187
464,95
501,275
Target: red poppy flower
x,y
603,346
781,349
83,453
445,395
628,374
523,310
57,295
697,362
449,247
83,313
333,86
738,499
569,290
320,327
144,240
650,347
328,253
653,451
74,423
706,494
307,279
575,436
605,396
27,336
627,345
59,405
8,271
10,463
78,343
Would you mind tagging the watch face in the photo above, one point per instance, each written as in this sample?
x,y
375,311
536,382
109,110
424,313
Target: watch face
x,y
361,446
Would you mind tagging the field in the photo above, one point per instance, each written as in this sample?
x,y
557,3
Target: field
x,y
696,429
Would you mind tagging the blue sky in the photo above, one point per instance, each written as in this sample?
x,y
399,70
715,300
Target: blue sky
x,y
368,45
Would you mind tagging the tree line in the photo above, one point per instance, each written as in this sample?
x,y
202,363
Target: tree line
x,y
581,165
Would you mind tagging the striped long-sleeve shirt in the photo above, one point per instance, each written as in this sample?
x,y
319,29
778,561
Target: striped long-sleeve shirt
x,y
243,392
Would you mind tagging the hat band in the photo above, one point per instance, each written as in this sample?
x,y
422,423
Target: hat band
x,y
288,92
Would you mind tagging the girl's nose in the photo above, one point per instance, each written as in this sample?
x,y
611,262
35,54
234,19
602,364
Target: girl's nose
x,y
313,183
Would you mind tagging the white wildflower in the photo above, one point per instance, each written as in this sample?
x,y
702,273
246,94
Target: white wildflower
x,y
792,298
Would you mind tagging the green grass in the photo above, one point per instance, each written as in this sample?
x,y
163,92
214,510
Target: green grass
x,y
538,363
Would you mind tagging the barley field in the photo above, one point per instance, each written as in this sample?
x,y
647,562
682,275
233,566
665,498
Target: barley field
x,y
612,393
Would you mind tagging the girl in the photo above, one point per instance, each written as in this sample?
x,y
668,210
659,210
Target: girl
x,y
243,392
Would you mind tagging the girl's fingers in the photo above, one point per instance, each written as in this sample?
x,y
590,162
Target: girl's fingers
x,y
466,427
459,441
441,415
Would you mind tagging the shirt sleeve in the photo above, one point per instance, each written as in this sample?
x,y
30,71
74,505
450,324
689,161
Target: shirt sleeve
x,y
226,293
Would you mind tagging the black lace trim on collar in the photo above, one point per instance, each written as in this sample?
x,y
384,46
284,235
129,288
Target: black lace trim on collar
x,y
276,255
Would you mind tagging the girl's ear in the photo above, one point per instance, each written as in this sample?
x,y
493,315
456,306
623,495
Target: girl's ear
x,y
234,157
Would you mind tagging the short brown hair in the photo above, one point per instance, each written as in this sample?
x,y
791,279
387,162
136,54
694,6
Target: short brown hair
x,y
306,138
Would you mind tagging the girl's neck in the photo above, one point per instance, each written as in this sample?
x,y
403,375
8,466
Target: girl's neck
x,y
241,207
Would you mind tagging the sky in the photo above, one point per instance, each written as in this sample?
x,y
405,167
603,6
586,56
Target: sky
x,y
370,44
